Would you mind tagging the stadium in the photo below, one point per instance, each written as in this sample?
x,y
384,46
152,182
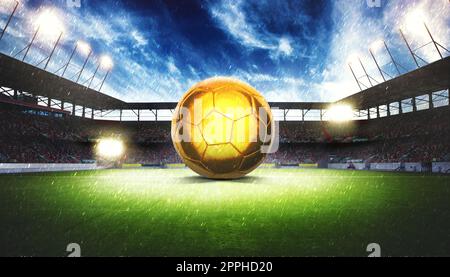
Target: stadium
x,y
372,167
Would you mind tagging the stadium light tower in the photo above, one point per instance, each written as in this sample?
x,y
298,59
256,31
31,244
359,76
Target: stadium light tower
x,y
95,73
53,50
409,48
9,20
436,44
107,64
355,58
48,24
352,60
84,49
392,57
414,24
375,47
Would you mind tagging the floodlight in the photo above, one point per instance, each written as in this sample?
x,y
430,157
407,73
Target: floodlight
x,y
49,23
353,58
340,113
414,21
110,148
83,47
106,62
376,45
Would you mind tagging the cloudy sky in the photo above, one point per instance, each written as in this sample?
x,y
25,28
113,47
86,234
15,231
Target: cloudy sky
x,y
288,50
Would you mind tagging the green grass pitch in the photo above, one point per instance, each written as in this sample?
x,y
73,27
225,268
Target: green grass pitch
x,y
272,212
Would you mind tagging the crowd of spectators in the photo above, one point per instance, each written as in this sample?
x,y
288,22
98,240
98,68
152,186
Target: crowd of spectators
x,y
413,137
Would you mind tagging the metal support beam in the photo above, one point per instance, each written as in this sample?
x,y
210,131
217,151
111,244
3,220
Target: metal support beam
x,y
84,66
53,51
409,48
414,104
376,63
365,72
70,59
430,100
104,79
93,77
434,42
354,76
30,44
9,20
73,109
392,58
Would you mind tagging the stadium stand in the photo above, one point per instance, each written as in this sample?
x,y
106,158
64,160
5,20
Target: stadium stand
x,y
47,119
414,137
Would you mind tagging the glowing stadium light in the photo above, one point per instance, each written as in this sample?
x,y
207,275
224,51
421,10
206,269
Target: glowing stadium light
x,y
340,113
353,58
414,22
110,149
49,23
376,45
106,62
83,47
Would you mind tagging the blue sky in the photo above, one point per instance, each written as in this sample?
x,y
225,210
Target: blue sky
x,y
288,50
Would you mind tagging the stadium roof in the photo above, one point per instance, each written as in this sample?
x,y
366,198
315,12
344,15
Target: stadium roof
x,y
18,75
21,76
430,78
172,105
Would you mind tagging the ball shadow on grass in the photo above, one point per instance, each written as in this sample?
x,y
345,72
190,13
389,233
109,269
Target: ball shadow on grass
x,y
204,180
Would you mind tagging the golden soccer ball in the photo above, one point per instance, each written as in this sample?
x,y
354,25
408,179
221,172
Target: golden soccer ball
x,y
221,127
